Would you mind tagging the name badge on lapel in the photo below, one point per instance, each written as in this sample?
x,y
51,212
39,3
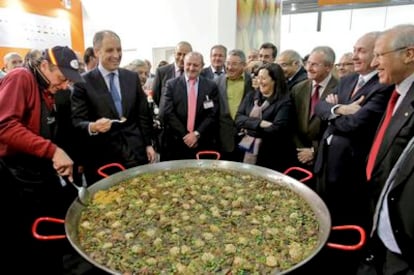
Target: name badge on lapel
x,y
208,103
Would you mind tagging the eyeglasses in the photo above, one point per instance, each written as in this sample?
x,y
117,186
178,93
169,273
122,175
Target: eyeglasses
x,y
378,55
232,64
312,64
343,64
283,65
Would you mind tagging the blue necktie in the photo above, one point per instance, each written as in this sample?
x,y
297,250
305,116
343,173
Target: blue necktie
x,y
115,94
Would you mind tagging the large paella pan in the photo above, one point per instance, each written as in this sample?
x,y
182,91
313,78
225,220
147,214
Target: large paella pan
x,y
193,216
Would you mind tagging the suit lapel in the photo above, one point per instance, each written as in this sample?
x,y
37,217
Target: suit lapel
x,y
128,87
222,85
200,94
405,172
404,112
365,90
101,87
352,84
329,87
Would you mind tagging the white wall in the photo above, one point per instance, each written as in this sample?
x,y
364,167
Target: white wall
x,y
144,25
339,29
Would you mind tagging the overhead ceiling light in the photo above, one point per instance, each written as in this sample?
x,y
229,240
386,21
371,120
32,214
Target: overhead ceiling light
x,y
293,7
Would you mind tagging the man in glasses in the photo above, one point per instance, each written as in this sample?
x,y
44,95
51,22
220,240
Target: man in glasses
x,y
392,190
292,66
345,65
31,162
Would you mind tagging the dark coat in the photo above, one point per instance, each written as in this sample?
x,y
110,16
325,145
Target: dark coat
x,y
207,72
277,150
298,77
400,205
175,112
341,164
308,129
162,74
228,130
397,135
124,143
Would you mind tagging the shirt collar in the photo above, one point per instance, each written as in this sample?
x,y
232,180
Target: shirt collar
x,y
323,83
220,71
368,76
105,72
187,79
405,85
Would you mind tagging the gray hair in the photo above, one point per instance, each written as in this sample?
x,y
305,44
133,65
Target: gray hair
x,y
99,36
196,54
328,53
293,56
219,47
404,35
135,64
185,44
9,56
239,53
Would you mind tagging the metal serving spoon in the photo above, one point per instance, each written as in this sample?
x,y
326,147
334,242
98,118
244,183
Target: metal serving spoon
x,y
122,120
83,193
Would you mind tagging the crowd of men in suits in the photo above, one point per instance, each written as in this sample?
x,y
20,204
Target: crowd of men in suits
x,y
352,132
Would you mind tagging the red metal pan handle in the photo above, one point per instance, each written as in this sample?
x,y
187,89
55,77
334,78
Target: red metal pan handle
x,y
207,152
309,173
43,237
109,165
357,246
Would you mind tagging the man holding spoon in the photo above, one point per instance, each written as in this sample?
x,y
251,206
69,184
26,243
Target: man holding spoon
x,y
111,111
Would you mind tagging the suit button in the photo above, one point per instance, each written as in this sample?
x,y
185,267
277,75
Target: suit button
x,y
392,199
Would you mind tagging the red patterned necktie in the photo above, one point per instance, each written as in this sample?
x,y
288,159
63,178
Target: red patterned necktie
x,y
314,98
380,135
192,102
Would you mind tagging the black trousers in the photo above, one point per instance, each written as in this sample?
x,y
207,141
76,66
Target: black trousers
x,y
24,202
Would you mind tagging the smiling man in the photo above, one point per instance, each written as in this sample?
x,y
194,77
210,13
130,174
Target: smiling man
x,y
109,93
190,112
30,159
393,228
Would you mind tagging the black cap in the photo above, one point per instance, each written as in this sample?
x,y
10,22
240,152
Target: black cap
x,y
67,62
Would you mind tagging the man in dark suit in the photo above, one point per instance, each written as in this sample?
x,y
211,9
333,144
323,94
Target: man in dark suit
x,y
164,73
393,217
218,55
109,93
191,112
353,113
292,66
232,89
308,127
394,60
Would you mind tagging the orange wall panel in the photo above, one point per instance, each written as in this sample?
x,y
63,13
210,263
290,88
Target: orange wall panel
x,y
53,8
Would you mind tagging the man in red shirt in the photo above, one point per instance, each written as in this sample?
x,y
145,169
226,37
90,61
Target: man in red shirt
x,y
30,161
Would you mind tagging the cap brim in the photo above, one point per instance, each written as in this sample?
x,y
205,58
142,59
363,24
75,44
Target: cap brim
x,y
72,75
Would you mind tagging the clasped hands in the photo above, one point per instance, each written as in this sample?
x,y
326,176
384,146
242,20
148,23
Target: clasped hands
x,y
191,140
